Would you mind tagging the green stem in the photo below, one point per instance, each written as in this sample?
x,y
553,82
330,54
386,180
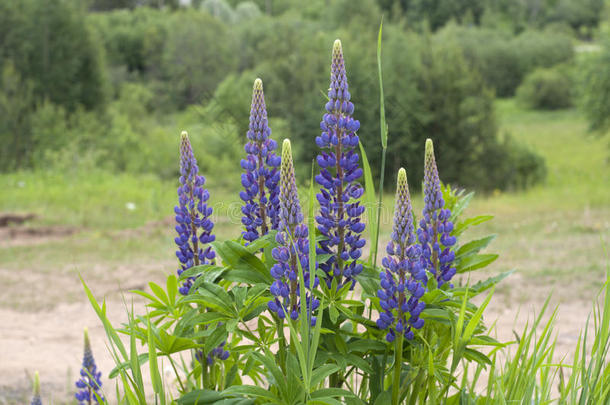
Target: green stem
x,y
282,342
176,372
397,370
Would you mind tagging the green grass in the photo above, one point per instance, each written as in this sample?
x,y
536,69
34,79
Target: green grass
x,y
552,233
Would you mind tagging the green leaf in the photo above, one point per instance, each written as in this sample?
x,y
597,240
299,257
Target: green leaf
x,y
155,375
237,257
462,226
321,373
382,123
475,262
474,246
369,199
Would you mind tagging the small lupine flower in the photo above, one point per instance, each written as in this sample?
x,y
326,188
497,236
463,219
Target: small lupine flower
x,y
217,353
340,210
401,280
261,177
435,228
36,395
194,226
293,248
90,381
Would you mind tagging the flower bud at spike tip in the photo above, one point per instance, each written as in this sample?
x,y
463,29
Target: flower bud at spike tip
x,y
293,248
435,228
339,219
401,282
261,176
36,394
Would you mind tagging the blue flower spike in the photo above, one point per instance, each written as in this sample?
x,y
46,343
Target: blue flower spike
x,y
340,214
90,381
193,223
261,175
402,276
435,228
293,248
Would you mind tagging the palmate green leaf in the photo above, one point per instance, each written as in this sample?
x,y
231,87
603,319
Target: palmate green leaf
x,y
475,262
237,258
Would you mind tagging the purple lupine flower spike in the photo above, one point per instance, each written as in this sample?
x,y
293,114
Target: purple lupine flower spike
x,y
293,248
90,381
261,177
435,228
194,226
401,281
340,210
36,396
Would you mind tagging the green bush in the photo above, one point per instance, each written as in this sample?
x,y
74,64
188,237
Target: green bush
x,y
199,52
546,89
595,87
504,60
52,47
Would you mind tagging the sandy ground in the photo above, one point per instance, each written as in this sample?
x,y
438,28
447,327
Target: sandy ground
x,y
50,339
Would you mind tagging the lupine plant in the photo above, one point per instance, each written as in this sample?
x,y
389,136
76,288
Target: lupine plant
x,y
90,382
289,312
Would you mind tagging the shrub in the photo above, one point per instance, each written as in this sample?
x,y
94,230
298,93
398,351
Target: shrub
x,y
504,60
65,67
595,87
195,59
546,89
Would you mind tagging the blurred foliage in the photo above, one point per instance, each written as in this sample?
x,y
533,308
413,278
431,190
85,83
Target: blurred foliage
x,y
595,86
504,60
547,89
125,76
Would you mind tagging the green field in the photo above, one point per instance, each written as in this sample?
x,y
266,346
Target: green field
x,y
553,234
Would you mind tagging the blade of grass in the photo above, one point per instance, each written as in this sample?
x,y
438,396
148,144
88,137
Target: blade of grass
x,y
384,144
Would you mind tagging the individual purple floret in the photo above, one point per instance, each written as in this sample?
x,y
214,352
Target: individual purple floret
x,y
194,226
36,396
293,248
261,177
340,210
401,282
90,381
435,227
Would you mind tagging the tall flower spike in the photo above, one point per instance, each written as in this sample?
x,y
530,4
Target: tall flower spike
x,y
194,226
36,395
340,210
401,282
90,381
293,248
261,177
435,228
